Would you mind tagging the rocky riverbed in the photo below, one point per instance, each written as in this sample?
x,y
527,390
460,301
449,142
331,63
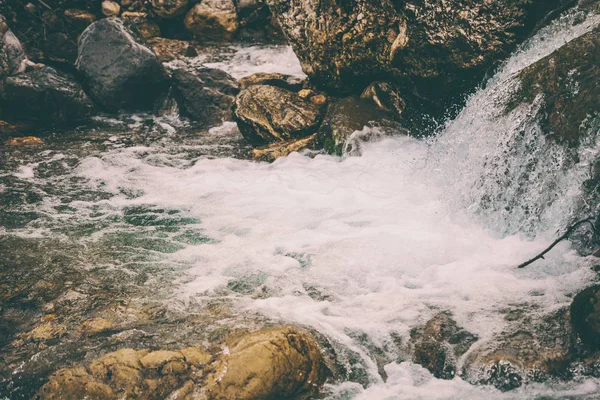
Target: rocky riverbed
x,y
192,208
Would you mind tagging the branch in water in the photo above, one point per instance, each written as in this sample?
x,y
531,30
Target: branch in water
x,y
567,233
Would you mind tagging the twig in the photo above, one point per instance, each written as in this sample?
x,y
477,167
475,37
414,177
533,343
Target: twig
x,y
45,5
568,232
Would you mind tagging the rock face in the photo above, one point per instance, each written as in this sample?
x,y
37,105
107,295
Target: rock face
x,y
535,350
268,114
120,73
433,49
273,364
214,20
438,345
569,79
585,316
12,55
205,94
45,95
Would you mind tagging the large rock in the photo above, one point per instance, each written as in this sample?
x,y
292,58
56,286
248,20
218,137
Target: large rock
x,y
438,345
434,49
585,316
45,95
272,79
268,114
119,71
213,20
205,94
273,364
12,55
169,8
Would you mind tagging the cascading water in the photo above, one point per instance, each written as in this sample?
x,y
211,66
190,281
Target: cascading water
x,y
360,249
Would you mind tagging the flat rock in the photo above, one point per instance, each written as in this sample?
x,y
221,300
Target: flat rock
x,y
268,114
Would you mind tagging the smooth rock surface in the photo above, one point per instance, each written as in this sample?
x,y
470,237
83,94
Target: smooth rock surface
x,y
205,94
119,71
12,55
45,95
268,114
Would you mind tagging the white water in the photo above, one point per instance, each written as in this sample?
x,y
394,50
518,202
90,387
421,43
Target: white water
x,y
388,238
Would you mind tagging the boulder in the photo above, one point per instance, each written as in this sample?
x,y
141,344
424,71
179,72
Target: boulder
x,y
268,114
534,350
272,79
205,94
45,95
585,316
12,56
439,343
79,19
282,363
119,72
435,50
213,20
346,116
169,8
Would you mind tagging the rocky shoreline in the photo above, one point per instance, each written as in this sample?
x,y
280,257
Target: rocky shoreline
x,y
396,67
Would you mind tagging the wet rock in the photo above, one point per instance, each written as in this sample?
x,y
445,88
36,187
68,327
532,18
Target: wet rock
x,y
268,114
346,116
386,96
110,8
120,72
169,8
45,95
205,94
569,80
438,345
12,55
213,20
24,141
282,149
536,350
170,49
283,81
585,316
434,49
95,326
141,23
74,383
270,364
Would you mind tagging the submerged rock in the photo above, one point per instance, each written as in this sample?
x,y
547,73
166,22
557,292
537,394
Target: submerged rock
x,y
585,316
120,72
268,114
534,351
214,20
434,49
280,363
438,345
205,94
282,149
12,55
346,116
283,81
45,95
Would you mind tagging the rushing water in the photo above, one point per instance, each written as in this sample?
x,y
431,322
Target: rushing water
x,y
361,249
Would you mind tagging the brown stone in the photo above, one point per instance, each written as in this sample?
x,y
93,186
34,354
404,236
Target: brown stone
x,y
24,141
283,81
74,384
213,20
270,364
282,149
110,8
95,326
